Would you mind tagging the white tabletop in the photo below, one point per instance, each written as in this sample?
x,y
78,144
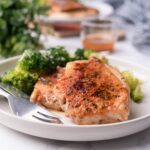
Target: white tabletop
x,y
10,139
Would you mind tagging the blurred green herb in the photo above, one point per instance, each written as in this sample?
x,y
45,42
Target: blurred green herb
x,y
16,25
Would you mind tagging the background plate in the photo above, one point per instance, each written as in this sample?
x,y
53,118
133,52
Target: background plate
x,y
104,8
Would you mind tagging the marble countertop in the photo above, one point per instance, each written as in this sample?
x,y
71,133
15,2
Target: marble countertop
x,y
10,139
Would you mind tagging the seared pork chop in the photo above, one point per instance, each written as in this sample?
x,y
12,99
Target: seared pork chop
x,y
93,93
44,90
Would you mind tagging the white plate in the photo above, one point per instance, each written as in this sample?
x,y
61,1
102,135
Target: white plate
x,y
139,118
104,8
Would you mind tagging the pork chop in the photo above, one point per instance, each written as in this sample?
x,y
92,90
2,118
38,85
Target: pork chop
x,y
44,90
93,93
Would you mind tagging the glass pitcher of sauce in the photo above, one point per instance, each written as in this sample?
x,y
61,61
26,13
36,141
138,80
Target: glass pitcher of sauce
x,y
98,35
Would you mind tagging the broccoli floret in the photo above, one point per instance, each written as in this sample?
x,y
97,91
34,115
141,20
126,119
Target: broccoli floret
x,y
135,86
57,56
131,80
33,61
82,54
137,94
21,79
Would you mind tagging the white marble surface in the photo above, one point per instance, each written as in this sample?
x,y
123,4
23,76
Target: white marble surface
x,y
10,139
13,140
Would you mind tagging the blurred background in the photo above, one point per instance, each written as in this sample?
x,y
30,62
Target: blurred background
x,y
113,27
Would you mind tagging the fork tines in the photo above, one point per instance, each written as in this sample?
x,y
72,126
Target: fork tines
x,y
49,119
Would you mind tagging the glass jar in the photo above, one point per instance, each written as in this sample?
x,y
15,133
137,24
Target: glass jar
x,y
98,35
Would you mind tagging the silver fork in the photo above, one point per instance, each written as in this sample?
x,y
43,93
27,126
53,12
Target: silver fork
x,y
20,105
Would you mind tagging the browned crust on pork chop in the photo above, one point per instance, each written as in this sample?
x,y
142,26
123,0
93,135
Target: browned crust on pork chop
x,y
93,92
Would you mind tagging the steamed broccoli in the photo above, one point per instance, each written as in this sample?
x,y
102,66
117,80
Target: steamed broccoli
x,y
57,56
27,71
21,79
135,86
82,54
33,61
